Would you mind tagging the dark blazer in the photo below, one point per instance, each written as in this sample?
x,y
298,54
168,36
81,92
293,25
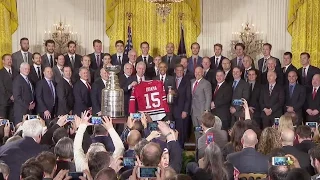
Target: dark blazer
x,y
279,80
305,146
182,101
191,66
234,63
211,77
169,81
254,99
33,76
65,97
45,98
6,86
77,61
229,77
313,104
175,59
123,80
14,154
97,87
286,72
297,99
222,100
82,99
75,75
189,74
249,161
57,76
307,82
23,96
45,61
151,72
275,101
242,90
213,63
93,58
149,63
261,61
114,59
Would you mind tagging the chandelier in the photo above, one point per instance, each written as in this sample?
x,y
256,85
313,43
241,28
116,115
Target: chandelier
x,y
252,40
163,7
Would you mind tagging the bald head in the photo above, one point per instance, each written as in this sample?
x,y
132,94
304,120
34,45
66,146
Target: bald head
x,y
133,138
249,138
287,137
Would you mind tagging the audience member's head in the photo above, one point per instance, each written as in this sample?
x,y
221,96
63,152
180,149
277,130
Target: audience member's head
x,y
165,159
33,129
59,134
298,174
96,147
32,168
64,149
106,174
269,139
133,138
304,133
98,161
285,122
169,173
207,121
249,139
48,162
294,118
182,177
138,148
287,137
236,134
137,125
99,130
5,170
315,158
151,154
278,172
217,123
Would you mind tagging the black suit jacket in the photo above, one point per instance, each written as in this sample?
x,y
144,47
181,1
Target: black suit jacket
x,y
279,80
151,72
6,86
123,80
114,60
286,72
175,59
93,58
77,61
213,63
297,99
305,146
33,76
82,99
260,64
169,81
182,101
229,77
275,101
97,87
313,104
222,100
75,75
211,77
44,97
65,97
307,82
14,154
242,90
149,63
254,99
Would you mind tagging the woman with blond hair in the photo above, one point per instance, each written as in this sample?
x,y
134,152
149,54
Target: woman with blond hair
x,y
269,140
285,122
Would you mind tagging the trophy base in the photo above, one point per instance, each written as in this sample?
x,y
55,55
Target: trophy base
x,y
114,114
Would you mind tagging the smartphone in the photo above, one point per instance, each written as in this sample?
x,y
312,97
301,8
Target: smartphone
x,y
33,117
148,172
280,161
12,126
96,120
197,128
136,115
172,124
312,124
129,161
153,126
70,118
75,175
276,122
237,102
4,122
209,138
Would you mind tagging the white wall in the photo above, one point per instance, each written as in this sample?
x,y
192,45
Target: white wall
x,y
220,18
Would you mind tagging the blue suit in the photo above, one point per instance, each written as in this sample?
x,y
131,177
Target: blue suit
x,y
191,63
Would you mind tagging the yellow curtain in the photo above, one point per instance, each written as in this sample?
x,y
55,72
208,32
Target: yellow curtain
x,y
8,25
147,25
304,27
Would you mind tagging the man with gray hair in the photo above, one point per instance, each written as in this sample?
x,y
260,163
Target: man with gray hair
x,y
14,154
271,66
23,94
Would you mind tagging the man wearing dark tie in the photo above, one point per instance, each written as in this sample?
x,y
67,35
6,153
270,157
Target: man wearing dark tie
x,y
168,81
7,74
23,55
271,100
46,95
97,55
221,99
132,55
295,97
65,93
208,73
255,89
226,67
186,72
313,101
170,58
262,63
306,72
287,63
195,60
216,60
81,92
97,87
181,105
58,68
153,70
85,61
119,58
238,61
36,68
247,64
72,59
23,94
47,60
123,80
271,66
145,57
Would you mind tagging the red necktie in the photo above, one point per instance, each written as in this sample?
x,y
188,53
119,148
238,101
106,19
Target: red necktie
x,y
314,93
195,63
195,87
89,87
216,90
140,80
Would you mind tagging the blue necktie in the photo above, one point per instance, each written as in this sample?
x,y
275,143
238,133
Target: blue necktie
x,y
234,85
30,88
52,90
291,90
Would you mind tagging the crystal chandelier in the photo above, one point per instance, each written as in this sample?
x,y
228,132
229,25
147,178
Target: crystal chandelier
x,y
164,7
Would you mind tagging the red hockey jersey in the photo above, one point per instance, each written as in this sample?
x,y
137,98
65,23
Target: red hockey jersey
x,y
151,98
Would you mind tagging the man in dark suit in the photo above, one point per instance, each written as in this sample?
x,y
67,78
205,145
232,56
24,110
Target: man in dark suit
x,y
287,63
36,69
65,93
72,59
97,87
132,55
145,57
119,58
123,80
271,100
304,135
226,67
255,89
14,154
81,92
209,74
153,70
271,66
237,61
195,60
306,72
170,58
295,97
186,72
182,104
7,74
48,58
85,61
168,81
97,56
221,99
23,94
241,90
262,63
23,55
247,65
58,68
248,160
46,96
216,60
312,104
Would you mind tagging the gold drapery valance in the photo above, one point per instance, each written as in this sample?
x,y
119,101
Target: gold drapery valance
x,y
304,27
147,25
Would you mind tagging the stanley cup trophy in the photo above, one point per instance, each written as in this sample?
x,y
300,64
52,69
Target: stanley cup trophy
x,y
112,102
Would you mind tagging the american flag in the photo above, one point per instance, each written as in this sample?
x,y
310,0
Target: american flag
x,y
129,45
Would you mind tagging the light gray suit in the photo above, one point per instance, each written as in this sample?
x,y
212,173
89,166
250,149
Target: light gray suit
x,y
45,61
56,74
17,59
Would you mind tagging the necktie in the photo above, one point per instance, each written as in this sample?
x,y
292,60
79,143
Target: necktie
x,y
194,63
28,82
72,61
217,62
240,62
216,90
88,86
246,75
264,66
39,72
169,60
140,80
157,72
284,70
98,60
119,59
145,60
304,75
10,73
251,87
69,81
61,71
51,61
205,73
177,83
291,90
234,85
195,87
270,89
105,84
161,79
25,57
314,93
52,90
